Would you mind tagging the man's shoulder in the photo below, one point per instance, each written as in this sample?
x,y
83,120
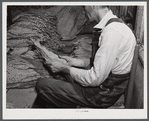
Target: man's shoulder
x,y
117,27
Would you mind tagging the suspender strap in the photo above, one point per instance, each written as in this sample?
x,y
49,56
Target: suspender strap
x,y
114,20
95,38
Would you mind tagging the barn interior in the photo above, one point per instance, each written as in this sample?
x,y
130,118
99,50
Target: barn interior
x,y
64,30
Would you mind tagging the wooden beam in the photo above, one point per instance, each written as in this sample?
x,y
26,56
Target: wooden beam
x,y
139,24
139,31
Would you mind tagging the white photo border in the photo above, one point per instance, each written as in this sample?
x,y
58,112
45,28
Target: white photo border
x,y
71,113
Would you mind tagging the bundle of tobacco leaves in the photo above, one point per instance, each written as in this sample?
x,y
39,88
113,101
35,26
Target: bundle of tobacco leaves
x,y
34,24
22,68
47,55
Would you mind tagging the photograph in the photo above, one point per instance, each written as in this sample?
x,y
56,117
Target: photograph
x,y
74,60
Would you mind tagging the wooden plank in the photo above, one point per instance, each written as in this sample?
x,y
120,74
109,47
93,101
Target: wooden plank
x,y
139,24
139,31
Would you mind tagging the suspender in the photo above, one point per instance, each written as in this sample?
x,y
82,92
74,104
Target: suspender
x,y
95,37
114,20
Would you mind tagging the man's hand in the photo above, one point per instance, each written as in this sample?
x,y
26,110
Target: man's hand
x,y
76,62
59,66
69,60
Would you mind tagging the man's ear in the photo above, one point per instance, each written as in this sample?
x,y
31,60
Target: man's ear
x,y
95,7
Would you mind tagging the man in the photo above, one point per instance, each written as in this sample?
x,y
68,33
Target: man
x,y
102,85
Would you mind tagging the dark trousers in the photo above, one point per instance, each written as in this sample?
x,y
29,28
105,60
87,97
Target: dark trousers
x,y
54,93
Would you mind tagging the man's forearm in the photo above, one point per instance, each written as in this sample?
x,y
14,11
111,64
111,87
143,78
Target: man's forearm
x,y
81,62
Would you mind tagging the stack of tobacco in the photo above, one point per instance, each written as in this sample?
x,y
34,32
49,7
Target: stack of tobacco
x,y
24,70
33,25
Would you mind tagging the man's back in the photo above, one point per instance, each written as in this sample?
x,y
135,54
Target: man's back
x,y
124,38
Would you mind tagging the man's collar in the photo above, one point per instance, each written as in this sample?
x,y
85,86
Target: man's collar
x,y
105,19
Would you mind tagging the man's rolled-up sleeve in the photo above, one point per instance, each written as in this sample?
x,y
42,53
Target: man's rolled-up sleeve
x,y
105,58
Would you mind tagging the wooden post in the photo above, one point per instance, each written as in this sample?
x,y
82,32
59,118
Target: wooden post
x,y
139,24
139,31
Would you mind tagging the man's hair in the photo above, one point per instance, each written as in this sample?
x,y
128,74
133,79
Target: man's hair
x,y
105,6
102,7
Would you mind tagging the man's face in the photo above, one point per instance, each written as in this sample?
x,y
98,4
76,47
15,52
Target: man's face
x,y
90,13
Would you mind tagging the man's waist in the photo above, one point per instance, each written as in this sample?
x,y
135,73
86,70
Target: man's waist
x,y
119,75
116,80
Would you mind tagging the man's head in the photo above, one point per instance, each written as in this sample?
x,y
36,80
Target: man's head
x,y
96,12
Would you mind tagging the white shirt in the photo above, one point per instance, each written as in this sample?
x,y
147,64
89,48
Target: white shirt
x,y
115,53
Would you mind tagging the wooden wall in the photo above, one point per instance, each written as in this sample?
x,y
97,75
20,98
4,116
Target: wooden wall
x,y
138,92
